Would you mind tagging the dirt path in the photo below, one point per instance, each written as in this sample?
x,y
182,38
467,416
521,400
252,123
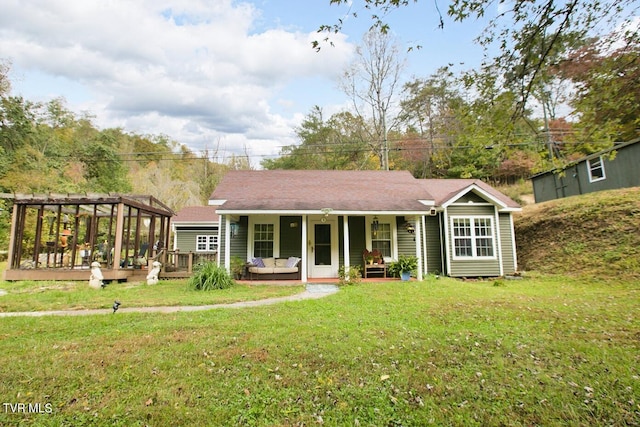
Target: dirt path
x,y
311,292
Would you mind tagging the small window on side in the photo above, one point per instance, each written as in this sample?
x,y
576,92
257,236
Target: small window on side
x,y
596,169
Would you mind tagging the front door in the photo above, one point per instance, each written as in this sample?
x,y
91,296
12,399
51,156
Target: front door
x,y
323,249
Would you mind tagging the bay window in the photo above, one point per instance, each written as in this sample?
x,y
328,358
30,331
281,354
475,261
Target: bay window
x,y
473,237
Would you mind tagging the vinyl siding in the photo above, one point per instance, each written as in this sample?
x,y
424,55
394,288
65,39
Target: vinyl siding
x,y
471,197
473,267
238,244
406,242
356,240
506,237
620,169
186,239
434,245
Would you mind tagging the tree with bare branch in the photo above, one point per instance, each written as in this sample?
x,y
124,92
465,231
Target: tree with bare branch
x,y
371,82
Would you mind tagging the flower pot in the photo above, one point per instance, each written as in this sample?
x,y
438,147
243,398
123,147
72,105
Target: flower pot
x,y
405,275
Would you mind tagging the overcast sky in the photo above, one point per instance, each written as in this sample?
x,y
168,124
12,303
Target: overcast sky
x,y
232,75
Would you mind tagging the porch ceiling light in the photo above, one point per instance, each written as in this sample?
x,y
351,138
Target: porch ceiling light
x,y
326,212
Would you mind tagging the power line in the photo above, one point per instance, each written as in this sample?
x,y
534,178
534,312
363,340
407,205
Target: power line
x,y
318,149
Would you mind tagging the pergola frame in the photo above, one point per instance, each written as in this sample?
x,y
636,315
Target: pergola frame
x,y
74,227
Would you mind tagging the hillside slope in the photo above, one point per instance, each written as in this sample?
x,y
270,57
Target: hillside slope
x,y
594,234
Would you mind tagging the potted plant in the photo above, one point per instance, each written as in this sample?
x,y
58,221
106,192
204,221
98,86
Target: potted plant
x,y
237,267
405,265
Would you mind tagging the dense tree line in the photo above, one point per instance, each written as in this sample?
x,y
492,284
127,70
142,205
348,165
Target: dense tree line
x,y
475,125
44,148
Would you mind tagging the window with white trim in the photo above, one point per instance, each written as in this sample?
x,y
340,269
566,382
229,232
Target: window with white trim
x,y
473,237
263,239
381,238
206,243
596,169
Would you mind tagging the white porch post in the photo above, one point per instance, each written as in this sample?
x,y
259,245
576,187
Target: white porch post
x,y
448,249
219,249
227,242
304,252
513,243
425,266
418,234
499,240
345,228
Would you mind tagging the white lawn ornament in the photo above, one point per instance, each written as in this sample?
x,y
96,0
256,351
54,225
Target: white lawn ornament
x,y
96,278
152,277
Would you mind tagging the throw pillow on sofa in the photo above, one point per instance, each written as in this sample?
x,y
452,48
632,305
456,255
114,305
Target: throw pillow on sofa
x,y
292,262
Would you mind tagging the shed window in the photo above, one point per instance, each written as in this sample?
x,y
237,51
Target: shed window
x,y
206,243
263,235
596,169
473,237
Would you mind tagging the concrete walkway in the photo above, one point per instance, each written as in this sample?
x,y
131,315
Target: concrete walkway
x,y
314,291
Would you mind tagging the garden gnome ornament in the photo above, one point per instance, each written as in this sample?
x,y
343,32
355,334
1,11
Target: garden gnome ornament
x,y
96,278
152,277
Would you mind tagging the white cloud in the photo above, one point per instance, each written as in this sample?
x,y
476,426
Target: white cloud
x,y
196,71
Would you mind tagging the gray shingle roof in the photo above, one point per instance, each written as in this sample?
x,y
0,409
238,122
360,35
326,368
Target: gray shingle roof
x,y
346,191
311,190
196,214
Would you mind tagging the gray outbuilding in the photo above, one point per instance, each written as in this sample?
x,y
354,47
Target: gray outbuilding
x,y
615,167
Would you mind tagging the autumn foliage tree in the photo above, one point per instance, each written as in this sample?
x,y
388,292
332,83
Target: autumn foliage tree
x,y
606,77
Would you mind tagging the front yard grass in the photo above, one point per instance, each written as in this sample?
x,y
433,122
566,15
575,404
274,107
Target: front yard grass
x,y
537,351
43,296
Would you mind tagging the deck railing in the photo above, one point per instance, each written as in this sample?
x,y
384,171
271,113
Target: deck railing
x,y
176,261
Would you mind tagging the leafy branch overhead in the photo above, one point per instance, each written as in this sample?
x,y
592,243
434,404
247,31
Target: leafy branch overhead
x,y
526,32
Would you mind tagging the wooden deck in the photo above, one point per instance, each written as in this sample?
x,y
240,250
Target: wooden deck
x,y
76,274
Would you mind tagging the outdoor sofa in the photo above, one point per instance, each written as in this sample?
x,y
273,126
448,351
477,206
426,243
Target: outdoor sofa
x,y
274,268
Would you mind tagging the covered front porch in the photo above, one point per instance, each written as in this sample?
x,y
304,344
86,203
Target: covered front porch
x,y
326,241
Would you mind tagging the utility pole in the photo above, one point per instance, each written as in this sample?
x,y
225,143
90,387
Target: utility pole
x,y
549,140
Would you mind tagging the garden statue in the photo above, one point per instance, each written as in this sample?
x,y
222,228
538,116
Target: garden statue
x,y
96,278
152,277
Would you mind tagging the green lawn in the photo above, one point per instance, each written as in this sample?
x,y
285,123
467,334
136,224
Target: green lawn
x,y
42,296
537,351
